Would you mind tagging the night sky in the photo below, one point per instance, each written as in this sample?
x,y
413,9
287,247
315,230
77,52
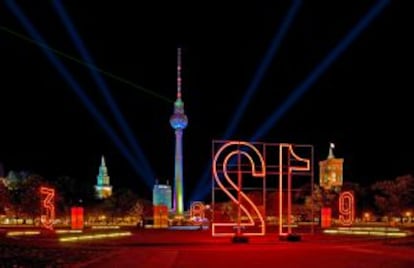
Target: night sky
x,y
362,102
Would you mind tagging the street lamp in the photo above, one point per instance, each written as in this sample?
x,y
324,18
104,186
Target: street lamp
x,y
408,215
366,216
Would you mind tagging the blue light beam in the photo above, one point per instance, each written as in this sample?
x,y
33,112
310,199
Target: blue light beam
x,y
78,90
261,71
318,71
254,84
103,88
69,57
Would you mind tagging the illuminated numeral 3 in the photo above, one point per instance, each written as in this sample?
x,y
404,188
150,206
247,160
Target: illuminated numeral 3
x,y
47,205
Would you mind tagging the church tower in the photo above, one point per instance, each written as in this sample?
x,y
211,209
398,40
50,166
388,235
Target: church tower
x,y
103,189
331,171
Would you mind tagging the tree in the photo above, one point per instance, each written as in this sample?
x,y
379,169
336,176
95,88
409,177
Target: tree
x,y
16,197
314,202
15,179
393,197
229,211
67,194
317,200
363,201
126,199
30,195
137,210
120,203
142,209
5,202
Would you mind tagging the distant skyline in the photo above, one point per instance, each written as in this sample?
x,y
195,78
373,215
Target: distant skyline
x,y
362,102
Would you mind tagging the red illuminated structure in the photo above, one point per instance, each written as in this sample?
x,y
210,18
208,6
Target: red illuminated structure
x,y
231,183
197,210
160,216
47,207
76,218
346,208
294,164
331,171
326,217
241,168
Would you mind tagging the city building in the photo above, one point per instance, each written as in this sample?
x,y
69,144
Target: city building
x,y
103,188
162,195
331,171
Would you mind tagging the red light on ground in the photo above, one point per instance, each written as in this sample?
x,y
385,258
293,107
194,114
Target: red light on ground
x,y
161,216
77,217
326,217
47,216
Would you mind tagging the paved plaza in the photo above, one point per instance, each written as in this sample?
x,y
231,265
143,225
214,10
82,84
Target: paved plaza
x,y
167,248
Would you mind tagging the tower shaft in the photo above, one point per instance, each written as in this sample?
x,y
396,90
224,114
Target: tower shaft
x,y
178,174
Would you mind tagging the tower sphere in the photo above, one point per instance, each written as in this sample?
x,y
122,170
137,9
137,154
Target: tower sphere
x,y
178,121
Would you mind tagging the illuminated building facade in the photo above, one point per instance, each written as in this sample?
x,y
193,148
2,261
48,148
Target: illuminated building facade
x,y
162,195
162,202
178,122
103,189
331,171
76,218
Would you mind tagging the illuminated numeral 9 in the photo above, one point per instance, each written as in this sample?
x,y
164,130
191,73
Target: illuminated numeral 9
x,y
47,200
346,208
243,202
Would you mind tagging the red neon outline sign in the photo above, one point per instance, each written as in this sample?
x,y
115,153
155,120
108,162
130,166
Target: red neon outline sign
x,y
240,194
47,200
197,209
291,170
346,208
251,159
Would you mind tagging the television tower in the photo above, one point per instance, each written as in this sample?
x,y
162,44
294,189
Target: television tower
x,y
178,122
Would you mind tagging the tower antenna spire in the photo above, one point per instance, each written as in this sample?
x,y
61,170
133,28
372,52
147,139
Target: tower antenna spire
x,y
179,73
331,147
